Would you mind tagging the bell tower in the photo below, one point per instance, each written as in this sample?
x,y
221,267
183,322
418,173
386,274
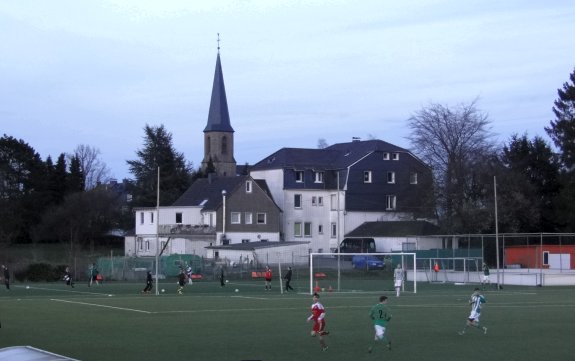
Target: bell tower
x,y
219,134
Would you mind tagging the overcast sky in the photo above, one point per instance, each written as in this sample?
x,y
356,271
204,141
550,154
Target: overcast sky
x,y
96,72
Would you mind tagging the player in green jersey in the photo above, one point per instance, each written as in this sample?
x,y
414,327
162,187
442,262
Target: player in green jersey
x,y
380,316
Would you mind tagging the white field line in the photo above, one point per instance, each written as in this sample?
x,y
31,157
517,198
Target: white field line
x,y
67,291
104,306
252,298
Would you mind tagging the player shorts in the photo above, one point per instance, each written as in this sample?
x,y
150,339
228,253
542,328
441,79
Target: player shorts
x,y
474,316
379,331
318,326
486,278
398,283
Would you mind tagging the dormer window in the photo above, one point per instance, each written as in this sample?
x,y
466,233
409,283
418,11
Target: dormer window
x,y
318,177
395,156
299,176
385,156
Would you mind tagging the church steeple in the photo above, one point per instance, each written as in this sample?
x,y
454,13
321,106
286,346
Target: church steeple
x,y
219,134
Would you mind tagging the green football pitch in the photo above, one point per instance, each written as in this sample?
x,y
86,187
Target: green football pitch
x,y
115,321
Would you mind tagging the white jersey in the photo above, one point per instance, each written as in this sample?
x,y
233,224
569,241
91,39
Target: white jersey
x,y
398,274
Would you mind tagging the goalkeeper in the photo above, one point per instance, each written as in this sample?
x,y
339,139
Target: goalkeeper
x,y
380,315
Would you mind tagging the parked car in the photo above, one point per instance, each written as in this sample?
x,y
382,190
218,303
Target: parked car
x,y
367,262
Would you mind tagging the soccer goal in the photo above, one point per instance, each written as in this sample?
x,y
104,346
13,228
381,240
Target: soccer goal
x,y
361,272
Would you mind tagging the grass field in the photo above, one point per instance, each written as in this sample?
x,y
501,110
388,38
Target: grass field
x,y
116,322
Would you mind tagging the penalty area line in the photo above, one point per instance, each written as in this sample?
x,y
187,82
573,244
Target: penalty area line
x,y
103,306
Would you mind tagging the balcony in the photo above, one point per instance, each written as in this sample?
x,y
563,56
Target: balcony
x,y
186,229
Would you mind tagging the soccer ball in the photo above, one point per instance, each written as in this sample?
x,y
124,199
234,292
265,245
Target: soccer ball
x,y
237,290
227,281
323,289
27,287
163,290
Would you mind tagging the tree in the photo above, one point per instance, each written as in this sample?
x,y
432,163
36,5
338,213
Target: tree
x,y
175,172
562,129
80,219
530,185
322,143
21,200
75,179
453,142
94,170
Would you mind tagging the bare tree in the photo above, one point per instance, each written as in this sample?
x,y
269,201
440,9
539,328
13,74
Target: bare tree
x,y
95,171
322,143
451,141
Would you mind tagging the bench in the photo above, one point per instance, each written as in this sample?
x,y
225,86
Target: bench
x,y
320,275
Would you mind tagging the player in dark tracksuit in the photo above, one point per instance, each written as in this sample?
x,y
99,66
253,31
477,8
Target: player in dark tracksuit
x,y
149,283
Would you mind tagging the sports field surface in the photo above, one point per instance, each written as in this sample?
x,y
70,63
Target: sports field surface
x,y
115,321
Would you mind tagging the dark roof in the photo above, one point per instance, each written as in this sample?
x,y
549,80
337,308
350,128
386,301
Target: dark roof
x,y
334,157
218,116
208,190
251,246
394,229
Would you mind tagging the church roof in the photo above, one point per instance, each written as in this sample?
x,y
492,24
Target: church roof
x,y
218,116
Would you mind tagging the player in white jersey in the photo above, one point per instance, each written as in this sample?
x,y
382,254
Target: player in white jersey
x,y
476,300
398,279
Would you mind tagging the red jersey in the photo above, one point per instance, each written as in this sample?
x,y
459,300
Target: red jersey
x,y
268,275
317,312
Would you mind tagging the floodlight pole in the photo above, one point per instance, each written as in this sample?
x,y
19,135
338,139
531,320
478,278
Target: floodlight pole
x,y
157,230
496,229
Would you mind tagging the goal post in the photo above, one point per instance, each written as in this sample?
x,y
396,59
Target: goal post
x,y
361,272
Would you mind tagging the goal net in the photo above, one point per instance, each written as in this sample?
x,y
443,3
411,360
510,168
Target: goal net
x,y
361,272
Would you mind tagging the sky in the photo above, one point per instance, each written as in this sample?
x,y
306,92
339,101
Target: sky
x,y
96,73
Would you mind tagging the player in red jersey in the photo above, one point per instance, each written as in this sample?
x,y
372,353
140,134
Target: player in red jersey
x,y
268,277
318,318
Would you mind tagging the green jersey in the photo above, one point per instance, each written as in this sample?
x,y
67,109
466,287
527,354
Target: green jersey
x,y
380,314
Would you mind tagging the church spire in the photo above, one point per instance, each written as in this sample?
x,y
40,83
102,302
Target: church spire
x,y
218,116
219,134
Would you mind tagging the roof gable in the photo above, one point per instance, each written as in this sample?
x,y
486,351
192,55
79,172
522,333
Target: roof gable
x,y
395,229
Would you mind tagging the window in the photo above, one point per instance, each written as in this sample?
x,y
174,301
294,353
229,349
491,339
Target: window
x,y
333,230
389,202
413,178
224,145
297,229
395,156
261,218
319,177
320,201
314,201
248,218
152,217
367,176
140,243
297,200
390,177
162,245
147,245
320,229
141,217
307,229
299,176
385,156
245,241
333,201
248,186
235,218
179,217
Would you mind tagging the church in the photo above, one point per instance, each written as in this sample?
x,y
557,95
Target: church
x,y
293,201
